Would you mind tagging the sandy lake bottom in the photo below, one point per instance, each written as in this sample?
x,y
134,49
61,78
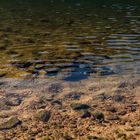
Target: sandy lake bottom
x,y
102,109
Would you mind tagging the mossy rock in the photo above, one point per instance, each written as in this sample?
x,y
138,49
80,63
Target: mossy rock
x,y
10,123
78,106
43,115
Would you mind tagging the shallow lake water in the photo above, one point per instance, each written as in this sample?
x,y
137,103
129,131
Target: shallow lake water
x,y
69,39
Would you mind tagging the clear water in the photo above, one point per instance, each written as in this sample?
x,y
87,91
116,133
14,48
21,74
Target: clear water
x,y
69,39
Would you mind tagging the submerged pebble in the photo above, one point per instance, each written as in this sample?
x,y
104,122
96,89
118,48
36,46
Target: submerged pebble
x,y
114,117
99,116
78,106
85,114
43,115
22,64
74,95
111,109
3,75
55,88
118,98
10,123
13,101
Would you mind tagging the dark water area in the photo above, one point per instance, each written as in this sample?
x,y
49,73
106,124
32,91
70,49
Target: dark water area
x,y
69,39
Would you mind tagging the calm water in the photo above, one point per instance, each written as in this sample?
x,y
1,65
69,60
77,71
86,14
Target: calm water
x,y
69,39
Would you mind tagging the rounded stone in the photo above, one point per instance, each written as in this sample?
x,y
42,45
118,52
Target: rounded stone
x,y
99,116
43,115
10,123
78,106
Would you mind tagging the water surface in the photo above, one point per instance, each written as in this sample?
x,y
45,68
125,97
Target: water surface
x,y
69,39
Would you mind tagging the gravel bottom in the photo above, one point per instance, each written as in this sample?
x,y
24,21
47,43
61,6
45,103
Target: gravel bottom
x,y
93,109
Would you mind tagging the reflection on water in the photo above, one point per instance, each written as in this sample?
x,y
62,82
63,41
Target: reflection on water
x,y
70,39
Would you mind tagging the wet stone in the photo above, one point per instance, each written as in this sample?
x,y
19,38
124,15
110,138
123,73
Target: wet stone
x,y
68,137
114,117
106,73
14,101
56,102
104,97
98,116
43,115
78,106
118,98
22,65
3,84
2,74
10,123
123,85
107,57
3,105
49,99
55,88
133,108
122,113
85,114
34,72
74,95
111,109
39,104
